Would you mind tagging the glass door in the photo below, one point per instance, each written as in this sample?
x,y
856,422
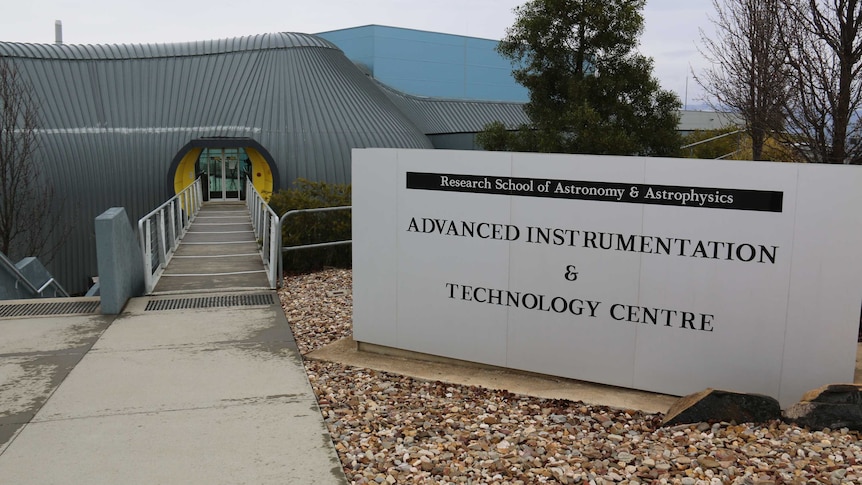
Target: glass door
x,y
223,172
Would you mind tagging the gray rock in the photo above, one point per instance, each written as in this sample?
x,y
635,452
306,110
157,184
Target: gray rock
x,y
719,405
625,457
558,418
833,406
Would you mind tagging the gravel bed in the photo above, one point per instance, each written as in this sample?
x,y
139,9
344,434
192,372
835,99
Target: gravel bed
x,y
392,429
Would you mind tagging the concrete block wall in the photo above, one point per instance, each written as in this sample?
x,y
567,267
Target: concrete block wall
x,y
121,267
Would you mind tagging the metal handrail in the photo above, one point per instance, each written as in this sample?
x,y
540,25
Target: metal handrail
x,y
21,278
172,220
306,246
267,231
52,282
701,142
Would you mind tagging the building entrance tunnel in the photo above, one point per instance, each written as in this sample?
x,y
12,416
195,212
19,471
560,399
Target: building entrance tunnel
x,y
224,165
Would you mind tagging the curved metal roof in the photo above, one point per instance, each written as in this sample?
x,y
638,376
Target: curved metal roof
x,y
280,40
115,116
439,116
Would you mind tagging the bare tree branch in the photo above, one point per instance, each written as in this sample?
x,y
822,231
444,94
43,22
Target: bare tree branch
x,y
824,42
29,223
748,75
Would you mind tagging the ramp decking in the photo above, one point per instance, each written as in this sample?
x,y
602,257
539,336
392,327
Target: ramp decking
x,y
218,252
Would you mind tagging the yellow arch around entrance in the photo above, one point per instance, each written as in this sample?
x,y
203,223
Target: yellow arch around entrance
x,y
260,172
185,174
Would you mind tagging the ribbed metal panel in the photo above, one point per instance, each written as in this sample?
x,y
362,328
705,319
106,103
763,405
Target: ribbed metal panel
x,y
437,116
115,116
280,40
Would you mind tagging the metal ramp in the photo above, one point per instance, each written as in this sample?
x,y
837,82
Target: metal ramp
x,y
218,252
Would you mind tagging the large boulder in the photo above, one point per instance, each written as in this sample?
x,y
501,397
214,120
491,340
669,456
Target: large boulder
x,y
832,406
717,405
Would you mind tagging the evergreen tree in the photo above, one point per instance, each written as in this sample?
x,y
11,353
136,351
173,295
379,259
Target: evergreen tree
x,y
590,90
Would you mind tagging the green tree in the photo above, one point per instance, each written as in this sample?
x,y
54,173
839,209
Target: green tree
x,y
313,228
590,91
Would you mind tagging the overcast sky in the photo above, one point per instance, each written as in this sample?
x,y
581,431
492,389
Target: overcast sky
x,y
671,36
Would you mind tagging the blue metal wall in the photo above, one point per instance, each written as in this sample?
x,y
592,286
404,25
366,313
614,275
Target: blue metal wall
x,y
431,64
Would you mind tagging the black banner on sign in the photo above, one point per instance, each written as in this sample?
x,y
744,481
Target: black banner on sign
x,y
680,196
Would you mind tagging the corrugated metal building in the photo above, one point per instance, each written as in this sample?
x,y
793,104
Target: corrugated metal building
x,y
127,125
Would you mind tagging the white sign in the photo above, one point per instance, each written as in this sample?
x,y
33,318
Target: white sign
x,y
667,275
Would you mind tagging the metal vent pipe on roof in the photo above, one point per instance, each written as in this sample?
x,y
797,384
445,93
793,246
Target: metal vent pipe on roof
x,y
58,31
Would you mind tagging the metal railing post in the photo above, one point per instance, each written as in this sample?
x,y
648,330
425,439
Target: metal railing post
x,y
275,252
280,236
147,247
263,220
267,228
167,240
161,240
172,221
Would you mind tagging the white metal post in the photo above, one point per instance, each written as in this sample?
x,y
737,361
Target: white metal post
x,y
273,251
173,235
148,253
160,242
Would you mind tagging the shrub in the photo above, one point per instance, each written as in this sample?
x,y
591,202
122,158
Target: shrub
x,y
311,228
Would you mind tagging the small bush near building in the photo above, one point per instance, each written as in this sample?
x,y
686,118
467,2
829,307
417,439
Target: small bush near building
x,y
312,228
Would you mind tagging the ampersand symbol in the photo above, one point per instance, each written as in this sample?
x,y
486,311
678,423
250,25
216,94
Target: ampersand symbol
x,y
571,273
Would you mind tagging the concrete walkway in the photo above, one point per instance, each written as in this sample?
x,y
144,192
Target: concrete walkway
x,y
210,393
199,383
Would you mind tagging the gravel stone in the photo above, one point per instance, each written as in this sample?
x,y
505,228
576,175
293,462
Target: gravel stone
x,y
395,429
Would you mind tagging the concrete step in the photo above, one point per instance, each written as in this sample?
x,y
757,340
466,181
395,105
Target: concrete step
x,y
214,264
